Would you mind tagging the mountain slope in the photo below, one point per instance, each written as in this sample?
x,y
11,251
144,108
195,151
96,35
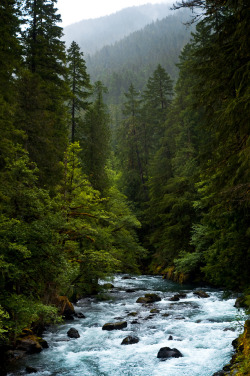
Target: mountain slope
x,y
93,34
135,57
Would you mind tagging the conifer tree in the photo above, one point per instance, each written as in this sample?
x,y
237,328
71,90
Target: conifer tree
x,y
42,92
94,139
79,83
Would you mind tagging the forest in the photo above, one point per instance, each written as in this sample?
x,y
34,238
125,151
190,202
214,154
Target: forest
x,y
163,189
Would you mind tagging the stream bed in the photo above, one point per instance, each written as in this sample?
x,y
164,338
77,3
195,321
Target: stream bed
x,y
202,329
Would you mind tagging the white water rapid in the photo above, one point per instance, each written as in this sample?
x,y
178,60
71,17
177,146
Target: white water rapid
x,y
202,330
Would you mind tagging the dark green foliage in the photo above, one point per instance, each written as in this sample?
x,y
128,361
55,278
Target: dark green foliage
x,y
134,58
57,235
79,83
94,137
211,152
41,90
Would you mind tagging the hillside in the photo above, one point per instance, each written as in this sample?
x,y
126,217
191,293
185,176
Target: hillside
x,y
91,35
134,58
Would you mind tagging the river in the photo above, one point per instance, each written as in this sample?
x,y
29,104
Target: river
x,y
202,330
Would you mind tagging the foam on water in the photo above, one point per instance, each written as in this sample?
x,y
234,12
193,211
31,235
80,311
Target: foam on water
x,y
196,324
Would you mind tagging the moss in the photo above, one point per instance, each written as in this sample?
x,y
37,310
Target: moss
x,y
240,363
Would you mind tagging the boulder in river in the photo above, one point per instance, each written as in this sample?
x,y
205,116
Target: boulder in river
x,y
29,344
115,325
154,310
73,333
170,338
149,298
133,314
166,352
201,294
240,302
80,315
174,298
130,340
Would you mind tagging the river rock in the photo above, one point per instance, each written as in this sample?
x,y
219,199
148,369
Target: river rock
x,y
181,295
219,373
149,298
133,314
166,352
130,290
170,338
165,314
73,333
201,294
174,298
115,325
31,369
80,315
66,308
240,302
14,355
134,322
29,344
130,340
154,310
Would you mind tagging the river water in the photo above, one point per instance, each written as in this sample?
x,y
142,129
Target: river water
x,y
202,330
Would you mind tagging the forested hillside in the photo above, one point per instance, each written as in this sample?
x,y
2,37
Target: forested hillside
x,y
169,194
91,35
134,58
63,221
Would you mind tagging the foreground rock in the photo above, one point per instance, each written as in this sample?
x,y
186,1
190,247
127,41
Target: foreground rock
x,y
130,340
149,298
66,308
73,333
115,326
166,352
201,294
31,344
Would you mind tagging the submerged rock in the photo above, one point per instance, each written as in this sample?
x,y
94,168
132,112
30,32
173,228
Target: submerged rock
x,y
130,290
166,352
73,333
130,340
149,298
174,298
115,325
154,310
201,294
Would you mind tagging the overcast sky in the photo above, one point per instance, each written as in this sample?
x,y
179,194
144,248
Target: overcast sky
x,y
76,10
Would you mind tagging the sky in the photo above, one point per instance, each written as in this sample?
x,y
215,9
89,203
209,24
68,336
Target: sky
x,y
76,10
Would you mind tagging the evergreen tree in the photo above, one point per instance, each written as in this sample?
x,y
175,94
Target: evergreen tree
x,y
94,137
41,112
79,83
131,138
